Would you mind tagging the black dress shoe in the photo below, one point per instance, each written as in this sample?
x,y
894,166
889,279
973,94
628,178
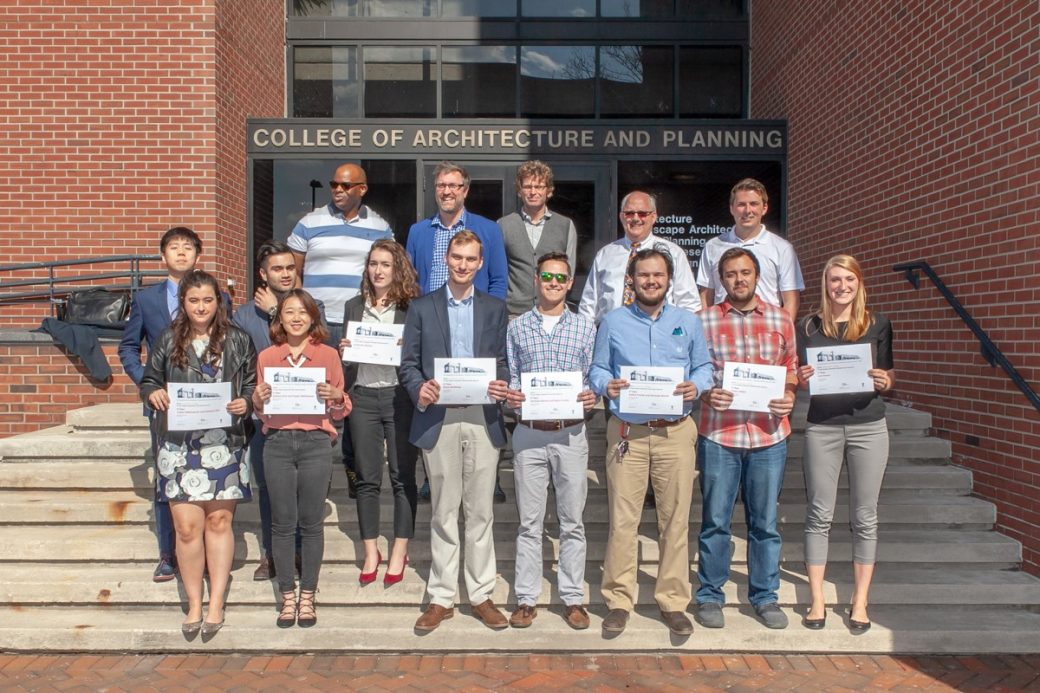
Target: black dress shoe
x,y
649,500
500,495
424,492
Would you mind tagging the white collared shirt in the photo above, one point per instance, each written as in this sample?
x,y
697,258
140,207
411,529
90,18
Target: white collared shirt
x,y
776,257
373,374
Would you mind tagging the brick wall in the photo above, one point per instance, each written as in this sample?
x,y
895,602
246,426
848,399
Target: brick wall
x,y
915,134
125,117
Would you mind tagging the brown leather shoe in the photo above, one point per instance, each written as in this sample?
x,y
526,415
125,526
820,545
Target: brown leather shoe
x,y
264,571
523,616
432,618
490,616
576,616
615,621
677,622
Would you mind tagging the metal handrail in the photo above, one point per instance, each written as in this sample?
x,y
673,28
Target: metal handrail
x,y
58,287
993,355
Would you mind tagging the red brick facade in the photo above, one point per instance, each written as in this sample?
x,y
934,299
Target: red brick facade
x,y
126,117
915,135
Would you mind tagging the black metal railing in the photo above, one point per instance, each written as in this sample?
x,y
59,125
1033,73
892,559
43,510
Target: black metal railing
x,y
53,288
993,355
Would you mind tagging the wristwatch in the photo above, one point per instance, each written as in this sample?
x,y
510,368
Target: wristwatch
x,y
273,311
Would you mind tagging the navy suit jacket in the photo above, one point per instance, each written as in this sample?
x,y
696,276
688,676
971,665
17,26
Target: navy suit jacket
x,y
427,336
149,316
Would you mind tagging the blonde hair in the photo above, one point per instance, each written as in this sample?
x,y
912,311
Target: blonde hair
x,y
860,319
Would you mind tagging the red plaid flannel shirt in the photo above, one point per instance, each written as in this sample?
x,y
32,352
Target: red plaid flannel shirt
x,y
763,336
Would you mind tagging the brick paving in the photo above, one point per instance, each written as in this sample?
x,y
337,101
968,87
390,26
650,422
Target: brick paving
x,y
536,672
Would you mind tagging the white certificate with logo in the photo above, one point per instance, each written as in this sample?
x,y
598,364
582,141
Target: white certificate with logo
x,y
551,396
840,369
373,342
464,381
651,390
753,385
294,391
198,406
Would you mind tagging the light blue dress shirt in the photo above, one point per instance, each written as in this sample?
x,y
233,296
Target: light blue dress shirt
x,y
171,298
629,337
460,324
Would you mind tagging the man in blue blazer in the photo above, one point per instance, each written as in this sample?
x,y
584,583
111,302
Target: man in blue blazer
x,y
459,443
151,312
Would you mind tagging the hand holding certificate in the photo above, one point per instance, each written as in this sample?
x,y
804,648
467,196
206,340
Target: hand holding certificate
x,y
464,381
294,391
373,342
651,390
551,396
840,369
753,385
198,406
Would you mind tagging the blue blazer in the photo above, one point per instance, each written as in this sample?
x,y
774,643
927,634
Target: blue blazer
x,y
427,336
149,316
493,277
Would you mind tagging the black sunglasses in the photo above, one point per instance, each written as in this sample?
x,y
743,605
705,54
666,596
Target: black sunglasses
x,y
333,184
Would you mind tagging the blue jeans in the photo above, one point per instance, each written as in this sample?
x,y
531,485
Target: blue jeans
x,y
758,473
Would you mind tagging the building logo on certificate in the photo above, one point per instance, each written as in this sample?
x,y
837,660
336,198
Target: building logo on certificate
x,y
366,331
542,381
192,393
456,367
643,376
290,377
835,356
752,375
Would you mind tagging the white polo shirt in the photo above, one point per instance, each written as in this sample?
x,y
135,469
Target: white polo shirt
x,y
776,257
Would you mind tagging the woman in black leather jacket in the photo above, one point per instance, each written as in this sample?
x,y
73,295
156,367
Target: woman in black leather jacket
x,y
202,473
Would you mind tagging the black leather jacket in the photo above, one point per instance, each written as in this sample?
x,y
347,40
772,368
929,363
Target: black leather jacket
x,y
239,368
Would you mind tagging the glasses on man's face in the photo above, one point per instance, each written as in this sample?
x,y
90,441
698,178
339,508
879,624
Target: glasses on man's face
x,y
335,184
641,213
549,276
451,187
534,188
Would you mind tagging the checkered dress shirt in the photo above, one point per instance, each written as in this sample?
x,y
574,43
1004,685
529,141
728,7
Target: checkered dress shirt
x,y
568,348
763,336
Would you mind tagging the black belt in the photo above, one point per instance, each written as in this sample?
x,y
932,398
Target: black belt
x,y
553,425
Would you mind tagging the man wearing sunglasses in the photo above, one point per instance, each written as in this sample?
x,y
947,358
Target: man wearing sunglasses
x,y
608,287
547,339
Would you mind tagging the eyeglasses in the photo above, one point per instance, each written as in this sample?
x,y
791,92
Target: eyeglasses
x,y
335,184
549,276
534,188
452,187
641,213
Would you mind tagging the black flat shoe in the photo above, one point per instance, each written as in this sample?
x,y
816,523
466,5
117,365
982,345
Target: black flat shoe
x,y
858,627
815,623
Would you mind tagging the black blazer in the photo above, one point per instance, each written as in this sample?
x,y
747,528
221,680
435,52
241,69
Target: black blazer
x,y
354,310
427,336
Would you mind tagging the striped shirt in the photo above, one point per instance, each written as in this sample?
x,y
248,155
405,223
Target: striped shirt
x,y
336,249
568,347
765,336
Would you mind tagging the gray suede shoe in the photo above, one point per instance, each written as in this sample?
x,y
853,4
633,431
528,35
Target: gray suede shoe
x,y
709,615
771,616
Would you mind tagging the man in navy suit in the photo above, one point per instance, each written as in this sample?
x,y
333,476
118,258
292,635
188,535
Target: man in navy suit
x,y
151,312
459,443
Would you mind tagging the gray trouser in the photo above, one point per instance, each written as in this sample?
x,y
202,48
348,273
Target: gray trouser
x,y
538,456
865,449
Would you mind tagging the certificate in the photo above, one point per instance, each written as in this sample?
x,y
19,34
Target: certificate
x,y
198,406
753,385
294,390
840,369
551,396
373,342
651,390
464,381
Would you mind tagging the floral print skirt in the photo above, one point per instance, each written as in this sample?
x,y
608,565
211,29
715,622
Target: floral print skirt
x,y
204,468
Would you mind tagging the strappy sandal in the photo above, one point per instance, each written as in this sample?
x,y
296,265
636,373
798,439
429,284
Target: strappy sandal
x,y
306,615
287,617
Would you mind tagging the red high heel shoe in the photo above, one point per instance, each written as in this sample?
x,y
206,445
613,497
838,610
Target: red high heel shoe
x,y
368,578
394,578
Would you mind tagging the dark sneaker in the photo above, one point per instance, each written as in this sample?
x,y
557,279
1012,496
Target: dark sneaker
x,y
771,616
424,492
165,570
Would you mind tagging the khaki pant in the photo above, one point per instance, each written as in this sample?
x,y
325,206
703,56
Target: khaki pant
x,y
667,456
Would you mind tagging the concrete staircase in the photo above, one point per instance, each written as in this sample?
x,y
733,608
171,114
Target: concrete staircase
x,y
76,555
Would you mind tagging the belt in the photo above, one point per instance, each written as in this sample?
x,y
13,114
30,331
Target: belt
x,y
662,423
554,425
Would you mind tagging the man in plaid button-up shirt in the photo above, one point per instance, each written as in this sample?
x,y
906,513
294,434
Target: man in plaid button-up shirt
x,y
741,449
543,340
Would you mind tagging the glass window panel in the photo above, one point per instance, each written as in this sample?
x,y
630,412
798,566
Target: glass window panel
x,y
558,8
400,82
478,82
635,81
557,81
326,8
478,8
636,8
711,9
399,8
325,82
711,82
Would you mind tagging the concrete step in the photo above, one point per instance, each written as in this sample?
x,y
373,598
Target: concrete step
x,y
94,507
108,543
68,584
897,629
